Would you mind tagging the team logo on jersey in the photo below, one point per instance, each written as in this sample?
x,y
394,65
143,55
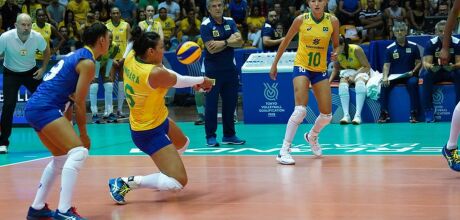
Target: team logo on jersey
x,y
227,27
23,52
316,41
325,29
309,28
215,33
396,55
408,50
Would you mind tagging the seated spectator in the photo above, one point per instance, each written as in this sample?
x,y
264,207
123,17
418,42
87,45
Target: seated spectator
x,y
68,45
352,66
433,72
30,7
255,22
395,14
190,27
372,21
72,26
443,9
9,11
80,8
169,29
348,12
417,16
269,38
172,8
401,57
104,7
55,12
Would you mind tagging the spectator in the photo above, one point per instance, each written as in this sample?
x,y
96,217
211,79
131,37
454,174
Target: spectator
x,y
395,14
353,67
9,12
443,9
172,8
169,28
104,7
20,69
30,7
269,40
72,26
417,16
186,6
149,24
55,12
238,11
263,7
221,36
433,72
402,57
349,11
79,8
127,10
68,45
255,22
144,3
372,21
190,27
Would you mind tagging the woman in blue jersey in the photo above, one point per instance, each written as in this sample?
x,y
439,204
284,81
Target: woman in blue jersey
x,y
68,81
316,30
146,83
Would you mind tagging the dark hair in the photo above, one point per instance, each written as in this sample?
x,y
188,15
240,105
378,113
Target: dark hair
x,y
143,41
346,43
93,33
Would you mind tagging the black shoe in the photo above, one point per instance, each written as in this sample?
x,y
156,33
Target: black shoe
x,y
384,117
199,122
413,117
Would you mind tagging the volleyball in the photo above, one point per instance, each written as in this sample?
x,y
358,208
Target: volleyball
x,y
188,52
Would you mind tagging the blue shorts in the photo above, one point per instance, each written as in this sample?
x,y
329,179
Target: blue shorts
x,y
39,118
151,141
313,76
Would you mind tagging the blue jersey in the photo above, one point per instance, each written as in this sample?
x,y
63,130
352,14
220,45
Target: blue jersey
x,y
434,48
402,58
269,31
222,61
59,82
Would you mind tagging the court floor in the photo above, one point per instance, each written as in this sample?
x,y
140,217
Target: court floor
x,y
370,171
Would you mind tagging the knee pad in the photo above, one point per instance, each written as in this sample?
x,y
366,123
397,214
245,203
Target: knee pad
x,y
324,119
166,183
76,158
360,87
343,89
298,115
108,87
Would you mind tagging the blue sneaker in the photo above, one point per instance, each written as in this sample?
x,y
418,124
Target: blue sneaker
x,y
453,160
118,189
234,140
212,142
429,116
70,214
42,214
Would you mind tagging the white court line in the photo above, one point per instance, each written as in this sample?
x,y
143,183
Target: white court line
x,y
11,164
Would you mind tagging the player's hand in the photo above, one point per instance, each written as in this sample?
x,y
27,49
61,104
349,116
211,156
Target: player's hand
x,y
39,74
444,56
385,82
334,56
207,84
86,141
274,71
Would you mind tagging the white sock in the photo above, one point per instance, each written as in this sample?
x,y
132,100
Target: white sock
x,y
321,121
360,89
454,128
108,98
344,98
52,170
133,181
294,121
76,159
121,96
93,97
161,182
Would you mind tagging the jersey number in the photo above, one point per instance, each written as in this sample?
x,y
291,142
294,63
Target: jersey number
x,y
54,71
129,91
314,59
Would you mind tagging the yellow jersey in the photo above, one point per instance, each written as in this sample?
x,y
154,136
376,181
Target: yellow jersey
x,y
314,38
352,62
168,26
46,33
155,26
146,105
120,36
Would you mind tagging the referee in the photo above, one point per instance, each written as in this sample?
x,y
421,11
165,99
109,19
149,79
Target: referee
x,y
19,46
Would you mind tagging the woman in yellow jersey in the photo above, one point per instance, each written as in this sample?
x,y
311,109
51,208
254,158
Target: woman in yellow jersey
x,y
353,67
149,24
146,84
315,29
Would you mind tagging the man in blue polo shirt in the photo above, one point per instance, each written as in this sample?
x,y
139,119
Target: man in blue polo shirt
x,y
433,72
220,36
270,38
401,57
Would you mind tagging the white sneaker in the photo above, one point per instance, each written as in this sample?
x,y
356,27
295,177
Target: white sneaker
x,y
285,158
314,145
345,120
356,120
3,149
